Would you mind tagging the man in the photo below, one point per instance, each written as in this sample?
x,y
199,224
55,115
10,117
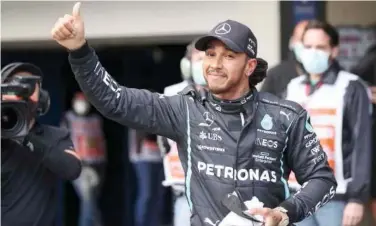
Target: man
x,y
32,167
86,132
280,75
339,106
366,69
191,68
236,148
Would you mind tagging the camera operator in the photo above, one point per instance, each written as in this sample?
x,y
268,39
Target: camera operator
x,y
32,162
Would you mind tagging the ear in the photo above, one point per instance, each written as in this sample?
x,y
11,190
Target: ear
x,y
335,52
250,66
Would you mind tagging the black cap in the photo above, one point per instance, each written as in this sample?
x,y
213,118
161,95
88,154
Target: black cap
x,y
13,68
236,36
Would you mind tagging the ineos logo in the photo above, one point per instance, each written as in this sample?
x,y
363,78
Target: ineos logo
x,y
266,143
223,29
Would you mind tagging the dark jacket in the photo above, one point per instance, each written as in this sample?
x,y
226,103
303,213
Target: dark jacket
x,y
247,146
279,76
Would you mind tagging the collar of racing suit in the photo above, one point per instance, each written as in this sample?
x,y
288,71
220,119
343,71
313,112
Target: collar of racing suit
x,y
225,106
232,106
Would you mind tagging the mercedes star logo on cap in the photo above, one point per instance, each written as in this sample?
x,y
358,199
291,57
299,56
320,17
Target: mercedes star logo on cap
x,y
223,29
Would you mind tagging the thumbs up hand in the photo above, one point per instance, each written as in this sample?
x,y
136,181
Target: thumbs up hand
x,y
69,31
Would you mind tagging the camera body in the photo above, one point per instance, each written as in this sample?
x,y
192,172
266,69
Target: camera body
x,y
15,113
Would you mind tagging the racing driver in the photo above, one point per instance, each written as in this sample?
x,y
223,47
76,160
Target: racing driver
x,y
237,146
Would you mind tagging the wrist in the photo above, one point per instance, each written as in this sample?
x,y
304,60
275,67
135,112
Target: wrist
x,y
284,220
81,51
291,211
79,45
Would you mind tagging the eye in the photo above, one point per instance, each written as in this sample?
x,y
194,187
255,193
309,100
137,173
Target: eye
x,y
209,53
230,56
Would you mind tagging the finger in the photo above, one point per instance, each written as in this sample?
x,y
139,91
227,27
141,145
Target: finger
x,y
269,221
66,33
68,22
57,35
355,220
346,220
58,30
76,10
259,211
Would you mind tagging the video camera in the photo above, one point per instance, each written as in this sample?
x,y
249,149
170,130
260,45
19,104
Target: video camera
x,y
15,113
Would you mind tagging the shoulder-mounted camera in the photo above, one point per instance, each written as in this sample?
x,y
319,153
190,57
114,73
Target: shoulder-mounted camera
x,y
16,89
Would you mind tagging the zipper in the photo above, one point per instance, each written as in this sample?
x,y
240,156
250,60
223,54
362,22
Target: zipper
x,y
242,118
244,124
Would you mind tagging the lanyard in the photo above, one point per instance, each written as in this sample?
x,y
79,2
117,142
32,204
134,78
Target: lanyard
x,y
308,89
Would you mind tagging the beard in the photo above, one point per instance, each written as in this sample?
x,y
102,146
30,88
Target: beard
x,y
32,110
225,84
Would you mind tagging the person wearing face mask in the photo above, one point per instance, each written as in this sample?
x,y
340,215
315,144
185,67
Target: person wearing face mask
x,y
279,76
31,167
87,135
237,146
192,73
340,109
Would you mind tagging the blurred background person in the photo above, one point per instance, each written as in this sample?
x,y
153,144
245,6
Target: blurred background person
x,y
339,107
192,74
88,138
279,76
366,69
146,159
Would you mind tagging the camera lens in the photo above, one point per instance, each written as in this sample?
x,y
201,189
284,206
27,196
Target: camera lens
x,y
8,118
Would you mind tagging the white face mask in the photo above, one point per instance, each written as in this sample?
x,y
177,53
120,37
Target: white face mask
x,y
198,73
297,48
81,107
315,61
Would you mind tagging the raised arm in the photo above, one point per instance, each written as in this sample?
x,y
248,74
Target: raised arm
x,y
138,109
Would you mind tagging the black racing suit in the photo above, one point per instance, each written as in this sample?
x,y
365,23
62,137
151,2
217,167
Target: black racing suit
x,y
249,146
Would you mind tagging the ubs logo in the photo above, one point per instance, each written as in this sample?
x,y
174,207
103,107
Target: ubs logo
x,y
210,136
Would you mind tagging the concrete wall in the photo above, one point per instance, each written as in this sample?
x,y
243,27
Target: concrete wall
x,y
351,12
32,21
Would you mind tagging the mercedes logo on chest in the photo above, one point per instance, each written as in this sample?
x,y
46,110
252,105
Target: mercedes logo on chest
x,y
223,29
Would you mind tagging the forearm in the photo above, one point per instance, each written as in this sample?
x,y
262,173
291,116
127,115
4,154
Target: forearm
x,y
313,195
63,163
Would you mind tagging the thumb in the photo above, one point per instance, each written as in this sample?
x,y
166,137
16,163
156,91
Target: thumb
x,y
76,10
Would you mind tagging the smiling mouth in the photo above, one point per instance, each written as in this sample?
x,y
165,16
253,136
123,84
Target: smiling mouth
x,y
216,75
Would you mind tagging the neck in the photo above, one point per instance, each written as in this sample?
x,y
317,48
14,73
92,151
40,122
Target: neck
x,y
314,78
233,95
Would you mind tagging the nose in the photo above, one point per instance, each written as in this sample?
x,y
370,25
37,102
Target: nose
x,y
216,62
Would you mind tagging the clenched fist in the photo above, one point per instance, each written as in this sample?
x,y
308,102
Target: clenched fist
x,y
69,31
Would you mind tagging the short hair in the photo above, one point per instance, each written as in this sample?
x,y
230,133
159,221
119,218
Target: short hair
x,y
329,29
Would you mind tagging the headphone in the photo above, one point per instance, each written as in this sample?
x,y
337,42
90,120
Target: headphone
x,y
11,69
185,62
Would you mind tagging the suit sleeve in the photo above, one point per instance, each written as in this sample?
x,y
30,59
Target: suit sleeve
x,y
308,161
358,117
137,109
